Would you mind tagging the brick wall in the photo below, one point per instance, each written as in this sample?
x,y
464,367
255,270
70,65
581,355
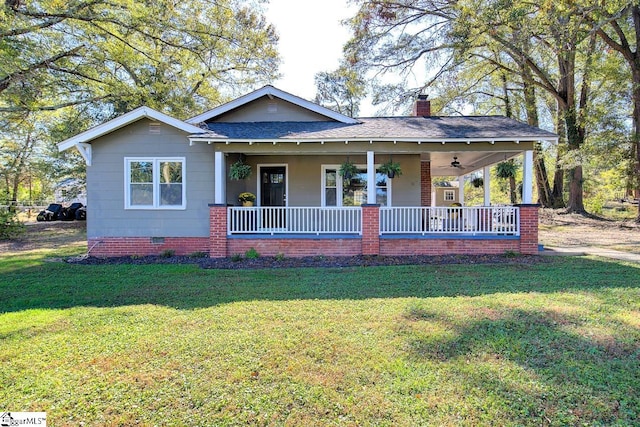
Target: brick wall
x,y
296,247
528,229
425,183
124,246
402,247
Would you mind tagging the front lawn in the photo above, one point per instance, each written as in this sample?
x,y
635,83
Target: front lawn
x,y
553,343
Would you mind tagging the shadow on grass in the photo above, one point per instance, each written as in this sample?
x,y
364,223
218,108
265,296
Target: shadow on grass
x,y
577,373
59,285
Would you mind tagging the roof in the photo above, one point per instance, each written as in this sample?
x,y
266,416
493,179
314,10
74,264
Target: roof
x,y
271,92
427,129
125,119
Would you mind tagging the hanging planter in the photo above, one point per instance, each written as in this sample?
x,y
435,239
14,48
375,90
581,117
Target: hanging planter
x,y
391,169
477,182
348,170
239,171
506,169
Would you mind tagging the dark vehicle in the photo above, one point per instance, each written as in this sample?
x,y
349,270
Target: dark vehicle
x,y
81,213
69,213
51,213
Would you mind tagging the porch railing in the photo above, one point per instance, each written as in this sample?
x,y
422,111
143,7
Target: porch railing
x,y
497,220
443,220
299,220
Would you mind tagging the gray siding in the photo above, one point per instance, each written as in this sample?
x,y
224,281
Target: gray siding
x,y
106,214
270,110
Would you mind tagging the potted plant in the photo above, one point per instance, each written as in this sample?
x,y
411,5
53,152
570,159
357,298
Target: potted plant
x,y
477,182
247,198
391,169
348,170
239,171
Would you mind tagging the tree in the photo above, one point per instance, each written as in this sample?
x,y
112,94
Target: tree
x,y
547,45
173,56
622,34
340,90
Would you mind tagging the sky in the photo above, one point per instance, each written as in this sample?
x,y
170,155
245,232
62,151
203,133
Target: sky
x,y
311,40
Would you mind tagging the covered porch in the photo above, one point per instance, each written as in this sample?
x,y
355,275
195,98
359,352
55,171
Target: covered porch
x,y
401,222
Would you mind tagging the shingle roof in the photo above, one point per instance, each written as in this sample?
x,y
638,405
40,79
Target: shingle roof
x,y
454,127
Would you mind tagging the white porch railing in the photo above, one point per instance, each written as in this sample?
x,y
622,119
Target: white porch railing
x,y
496,220
286,220
442,220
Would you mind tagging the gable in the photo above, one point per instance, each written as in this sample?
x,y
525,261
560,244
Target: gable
x,y
270,93
267,109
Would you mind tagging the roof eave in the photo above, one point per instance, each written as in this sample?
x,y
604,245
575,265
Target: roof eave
x,y
124,120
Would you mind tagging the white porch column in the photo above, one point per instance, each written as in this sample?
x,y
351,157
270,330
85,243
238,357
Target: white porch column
x,y
371,178
486,177
527,177
220,196
461,189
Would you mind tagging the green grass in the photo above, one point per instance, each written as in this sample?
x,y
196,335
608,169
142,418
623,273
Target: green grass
x,y
555,343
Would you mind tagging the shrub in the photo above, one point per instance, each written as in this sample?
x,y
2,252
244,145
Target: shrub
x,y
279,256
236,257
167,253
251,254
198,254
10,226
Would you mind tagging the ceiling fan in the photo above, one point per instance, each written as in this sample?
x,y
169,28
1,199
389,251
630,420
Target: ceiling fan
x,y
455,163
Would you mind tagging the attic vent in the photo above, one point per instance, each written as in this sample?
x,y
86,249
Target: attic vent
x,y
154,128
272,107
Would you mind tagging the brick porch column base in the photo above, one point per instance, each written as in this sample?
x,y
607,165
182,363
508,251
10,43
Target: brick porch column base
x,y
425,183
528,229
370,229
218,231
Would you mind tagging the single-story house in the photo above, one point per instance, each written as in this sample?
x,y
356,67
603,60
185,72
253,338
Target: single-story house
x,y
156,183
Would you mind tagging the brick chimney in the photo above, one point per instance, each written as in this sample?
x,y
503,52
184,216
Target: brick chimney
x,y
422,107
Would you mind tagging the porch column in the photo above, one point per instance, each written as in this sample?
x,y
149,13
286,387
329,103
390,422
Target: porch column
x,y
461,189
486,177
218,230
528,229
220,196
371,178
370,229
527,177
425,184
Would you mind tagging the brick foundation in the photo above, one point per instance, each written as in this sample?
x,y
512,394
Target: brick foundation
x,y
296,247
436,246
124,246
219,245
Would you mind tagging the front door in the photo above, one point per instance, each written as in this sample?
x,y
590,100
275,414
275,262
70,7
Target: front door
x,y
273,186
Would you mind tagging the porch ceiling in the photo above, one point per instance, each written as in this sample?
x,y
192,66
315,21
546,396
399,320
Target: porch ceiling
x,y
470,161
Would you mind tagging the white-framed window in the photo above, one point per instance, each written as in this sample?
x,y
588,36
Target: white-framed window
x,y
154,183
337,191
449,195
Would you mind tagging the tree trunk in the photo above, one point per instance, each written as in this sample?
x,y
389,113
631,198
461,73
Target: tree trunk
x,y
635,138
512,190
557,194
545,198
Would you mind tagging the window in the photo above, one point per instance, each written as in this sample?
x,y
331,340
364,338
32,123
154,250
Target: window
x,y
154,183
337,191
449,195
